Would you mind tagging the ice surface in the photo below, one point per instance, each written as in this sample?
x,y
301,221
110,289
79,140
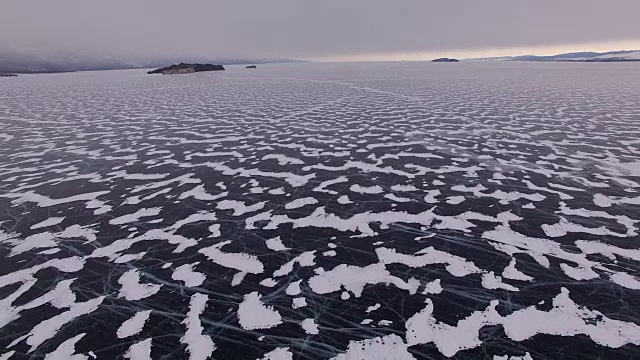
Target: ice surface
x,y
315,211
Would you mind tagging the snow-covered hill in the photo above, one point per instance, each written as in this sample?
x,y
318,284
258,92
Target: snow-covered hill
x,y
623,55
628,55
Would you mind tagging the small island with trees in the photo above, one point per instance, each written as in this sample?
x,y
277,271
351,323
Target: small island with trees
x,y
183,68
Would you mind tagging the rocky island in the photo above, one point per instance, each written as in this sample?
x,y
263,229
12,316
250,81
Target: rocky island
x,y
7,74
251,67
445,60
183,68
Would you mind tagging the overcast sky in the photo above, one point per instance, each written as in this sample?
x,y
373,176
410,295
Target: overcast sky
x,y
319,29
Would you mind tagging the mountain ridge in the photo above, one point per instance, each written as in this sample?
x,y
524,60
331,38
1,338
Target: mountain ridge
x,y
586,56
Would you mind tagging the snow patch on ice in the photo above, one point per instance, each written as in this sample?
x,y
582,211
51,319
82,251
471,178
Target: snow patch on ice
x,y
390,347
239,261
355,278
199,346
49,222
309,326
131,288
134,325
253,314
298,203
129,218
190,277
139,351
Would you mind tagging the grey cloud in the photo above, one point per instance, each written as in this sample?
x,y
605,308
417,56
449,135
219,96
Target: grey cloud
x,y
306,28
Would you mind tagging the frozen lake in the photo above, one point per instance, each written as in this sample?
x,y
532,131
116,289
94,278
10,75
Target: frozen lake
x,y
316,211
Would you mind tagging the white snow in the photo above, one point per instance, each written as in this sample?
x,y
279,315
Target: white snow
x,y
626,280
278,191
66,350
298,203
376,189
129,257
239,207
134,325
527,356
564,226
579,273
396,198
190,277
432,287
50,240
253,314
181,180
200,193
139,351
299,302
199,346
43,201
283,159
281,353
610,251
504,197
309,326
237,278
344,199
455,200
390,347
7,356
423,328
324,184
491,281
373,308
455,265
357,223
131,288
294,288
305,259
430,198
194,218
510,272
404,188
268,282
536,247
354,279
215,230
46,329
276,244
129,218
49,222
568,319
239,261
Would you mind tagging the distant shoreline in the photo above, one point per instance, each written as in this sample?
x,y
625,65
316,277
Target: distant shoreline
x,y
417,61
24,66
578,61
